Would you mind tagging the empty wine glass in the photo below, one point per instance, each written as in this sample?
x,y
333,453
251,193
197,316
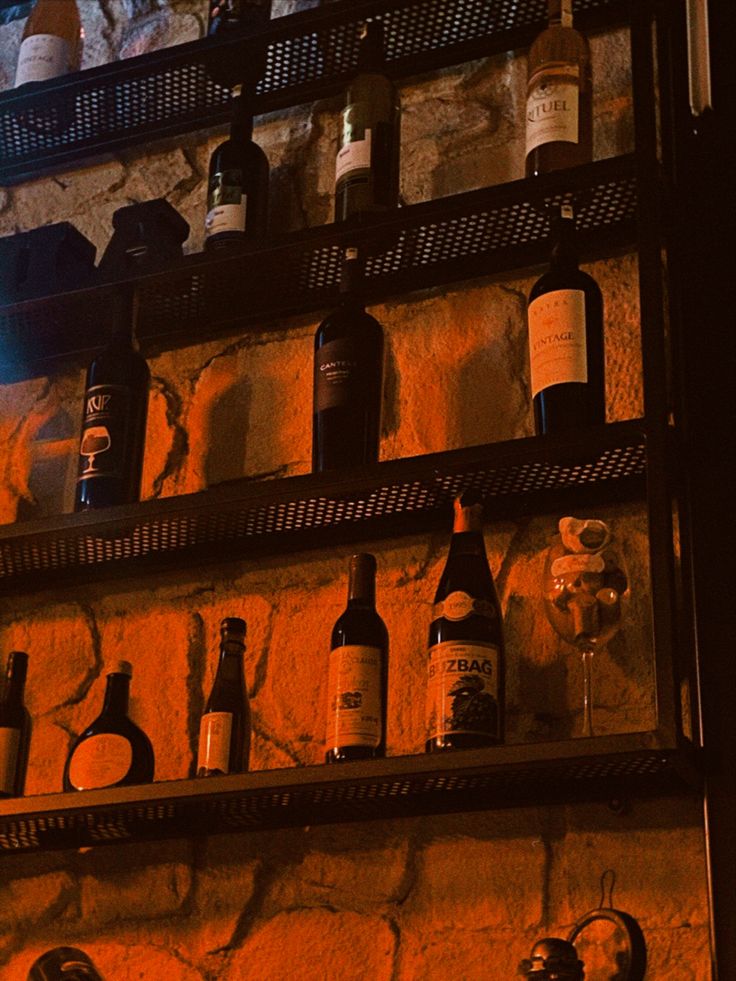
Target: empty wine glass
x,y
586,588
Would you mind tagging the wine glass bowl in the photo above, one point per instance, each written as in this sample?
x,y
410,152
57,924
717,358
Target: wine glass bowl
x,y
586,588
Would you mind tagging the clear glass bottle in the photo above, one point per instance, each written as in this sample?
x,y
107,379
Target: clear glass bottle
x,y
559,105
465,689
224,731
15,727
113,751
52,41
358,676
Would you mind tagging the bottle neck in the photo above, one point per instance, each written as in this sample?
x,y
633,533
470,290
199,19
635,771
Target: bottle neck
x,y
370,53
564,248
15,678
116,694
560,13
362,581
467,530
230,666
241,121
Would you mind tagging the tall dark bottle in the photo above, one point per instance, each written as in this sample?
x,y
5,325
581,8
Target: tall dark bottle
x,y
358,676
367,164
348,378
566,354
237,195
237,18
113,751
114,418
559,103
465,689
224,731
15,727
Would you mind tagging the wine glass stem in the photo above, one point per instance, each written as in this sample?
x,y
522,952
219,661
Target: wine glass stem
x,y
587,691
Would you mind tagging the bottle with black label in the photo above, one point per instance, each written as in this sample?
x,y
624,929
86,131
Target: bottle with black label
x,y
51,43
559,103
224,731
113,751
114,419
15,727
367,164
465,689
237,195
566,353
358,676
348,378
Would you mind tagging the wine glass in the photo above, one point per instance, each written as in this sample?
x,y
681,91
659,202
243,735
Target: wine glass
x,y
586,588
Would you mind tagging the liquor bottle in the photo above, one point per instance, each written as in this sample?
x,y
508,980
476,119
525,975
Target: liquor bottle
x,y
358,676
224,732
114,418
237,196
367,164
63,964
51,43
348,378
566,354
559,105
15,727
465,690
113,751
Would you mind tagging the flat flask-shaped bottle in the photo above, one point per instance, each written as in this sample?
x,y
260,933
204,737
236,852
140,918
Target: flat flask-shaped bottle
x,y
465,685
559,108
224,732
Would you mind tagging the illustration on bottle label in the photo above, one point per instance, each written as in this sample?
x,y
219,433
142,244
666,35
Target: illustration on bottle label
x,y
214,742
552,106
226,203
462,689
460,606
9,747
557,339
105,432
42,56
354,710
100,761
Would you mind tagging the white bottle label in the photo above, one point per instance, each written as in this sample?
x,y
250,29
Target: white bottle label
x,y
42,56
462,689
354,710
214,742
552,106
557,345
352,156
9,746
100,761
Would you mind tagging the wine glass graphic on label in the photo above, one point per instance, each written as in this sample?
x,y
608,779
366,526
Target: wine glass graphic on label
x,y
96,440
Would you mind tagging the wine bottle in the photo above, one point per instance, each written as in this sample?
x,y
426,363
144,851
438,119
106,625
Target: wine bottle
x,y
358,677
367,164
113,751
566,354
237,196
237,16
559,105
224,731
348,378
52,41
114,418
465,690
63,964
15,727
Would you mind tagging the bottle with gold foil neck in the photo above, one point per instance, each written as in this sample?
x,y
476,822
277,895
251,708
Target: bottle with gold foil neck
x,y
465,685
559,107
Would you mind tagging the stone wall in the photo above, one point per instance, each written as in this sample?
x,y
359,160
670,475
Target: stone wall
x,y
461,896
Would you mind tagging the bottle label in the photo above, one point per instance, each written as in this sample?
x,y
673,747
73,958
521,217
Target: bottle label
x,y
42,56
552,106
557,343
355,152
337,376
460,606
9,746
214,742
226,203
100,761
354,710
462,689
106,432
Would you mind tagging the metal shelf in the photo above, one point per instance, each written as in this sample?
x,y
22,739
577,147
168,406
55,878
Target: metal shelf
x,y
483,232
600,768
70,120
244,518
